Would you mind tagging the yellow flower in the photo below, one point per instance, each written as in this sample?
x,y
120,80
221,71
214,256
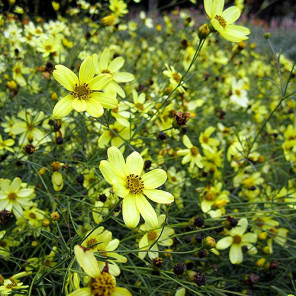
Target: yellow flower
x,y
191,154
102,282
101,241
222,21
237,239
159,235
129,183
14,197
82,96
119,7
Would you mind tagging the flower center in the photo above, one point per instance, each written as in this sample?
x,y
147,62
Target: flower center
x,y
221,20
32,215
91,243
48,47
194,151
237,239
152,235
112,134
103,285
134,183
237,92
176,76
12,196
205,139
17,70
140,106
81,91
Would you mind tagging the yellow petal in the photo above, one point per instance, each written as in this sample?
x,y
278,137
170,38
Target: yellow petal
x,y
231,14
116,64
79,105
159,196
87,261
63,107
117,161
87,70
100,82
106,100
130,212
154,178
65,77
146,210
94,108
135,163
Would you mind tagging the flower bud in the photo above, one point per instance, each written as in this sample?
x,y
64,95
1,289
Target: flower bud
x,y
203,31
208,242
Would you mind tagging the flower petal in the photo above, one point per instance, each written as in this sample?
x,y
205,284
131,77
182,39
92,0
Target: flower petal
x,y
100,82
123,77
116,64
15,184
231,14
63,107
159,196
135,163
65,77
117,162
106,100
224,243
87,70
236,254
25,192
121,292
81,292
154,178
130,212
79,105
249,237
146,210
217,7
87,261
94,108
108,172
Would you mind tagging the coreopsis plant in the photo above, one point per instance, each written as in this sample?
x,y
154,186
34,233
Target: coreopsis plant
x,y
222,21
85,92
129,183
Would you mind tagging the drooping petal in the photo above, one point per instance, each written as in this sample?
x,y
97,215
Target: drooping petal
x,y
146,210
117,161
231,14
106,100
94,108
154,178
159,196
63,107
113,87
87,261
79,105
116,64
235,33
135,163
123,77
130,212
87,70
224,243
100,82
236,254
65,77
